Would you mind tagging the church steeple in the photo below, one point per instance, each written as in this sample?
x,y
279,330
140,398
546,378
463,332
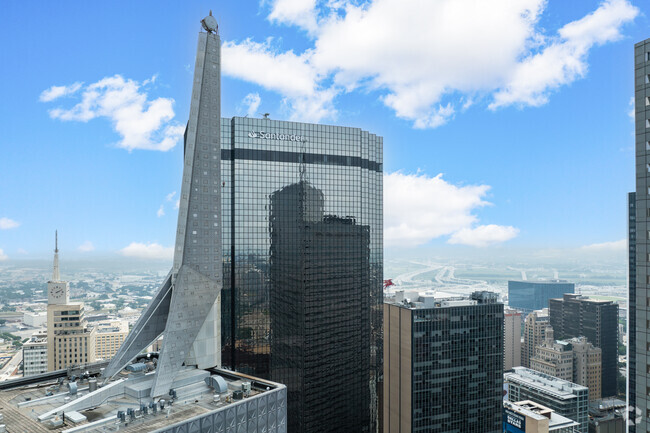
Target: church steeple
x,y
55,274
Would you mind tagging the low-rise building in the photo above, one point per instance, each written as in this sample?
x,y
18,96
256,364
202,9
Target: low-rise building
x,y
528,416
35,319
35,355
566,398
607,416
109,337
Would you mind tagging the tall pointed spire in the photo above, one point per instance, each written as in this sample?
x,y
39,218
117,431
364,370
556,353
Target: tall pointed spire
x,y
55,274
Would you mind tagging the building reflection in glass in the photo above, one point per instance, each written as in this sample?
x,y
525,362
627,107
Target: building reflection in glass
x,y
345,166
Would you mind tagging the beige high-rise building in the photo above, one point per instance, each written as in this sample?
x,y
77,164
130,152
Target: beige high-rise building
x,y
109,337
511,339
70,341
554,358
534,334
587,365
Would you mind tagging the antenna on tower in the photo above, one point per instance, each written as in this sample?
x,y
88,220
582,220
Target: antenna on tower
x,y
56,241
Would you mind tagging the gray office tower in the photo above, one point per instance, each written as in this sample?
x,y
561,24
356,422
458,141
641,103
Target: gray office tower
x,y
642,280
528,296
186,307
443,364
320,312
302,215
631,308
575,316
259,159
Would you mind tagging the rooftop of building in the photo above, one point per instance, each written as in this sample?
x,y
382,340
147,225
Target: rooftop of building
x,y
67,405
538,412
559,388
541,281
414,299
583,298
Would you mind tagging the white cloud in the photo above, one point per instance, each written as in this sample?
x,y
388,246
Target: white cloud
x,y
6,223
22,251
177,204
56,92
607,246
3,256
252,103
141,123
286,73
161,211
151,251
301,13
423,58
86,247
565,59
419,208
170,196
482,236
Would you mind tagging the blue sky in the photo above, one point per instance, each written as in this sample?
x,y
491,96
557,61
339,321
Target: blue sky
x,y
504,126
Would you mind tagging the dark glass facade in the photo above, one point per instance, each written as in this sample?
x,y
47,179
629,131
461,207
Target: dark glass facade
x,y
575,316
528,296
631,307
320,312
337,172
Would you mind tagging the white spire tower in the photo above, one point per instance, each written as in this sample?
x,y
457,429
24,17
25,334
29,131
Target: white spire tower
x,y
55,275
58,292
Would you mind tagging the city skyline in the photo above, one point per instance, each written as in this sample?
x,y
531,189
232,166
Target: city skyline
x,y
524,160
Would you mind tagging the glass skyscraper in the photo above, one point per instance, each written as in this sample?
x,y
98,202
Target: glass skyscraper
x,y
528,296
302,217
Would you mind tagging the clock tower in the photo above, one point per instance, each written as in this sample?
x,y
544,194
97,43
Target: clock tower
x,y
58,292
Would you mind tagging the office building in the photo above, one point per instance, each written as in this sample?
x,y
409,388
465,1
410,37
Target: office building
x,y
70,341
35,355
528,296
35,319
528,416
587,366
320,312
259,158
110,335
607,416
443,363
203,401
554,358
631,306
575,360
511,339
565,398
535,327
579,316
187,305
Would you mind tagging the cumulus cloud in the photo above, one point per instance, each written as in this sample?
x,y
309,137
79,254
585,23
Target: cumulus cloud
x,y
150,251
6,223
170,196
177,204
482,236
425,59
564,59
3,256
607,246
86,247
419,208
301,13
286,73
252,103
56,92
141,123
161,211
